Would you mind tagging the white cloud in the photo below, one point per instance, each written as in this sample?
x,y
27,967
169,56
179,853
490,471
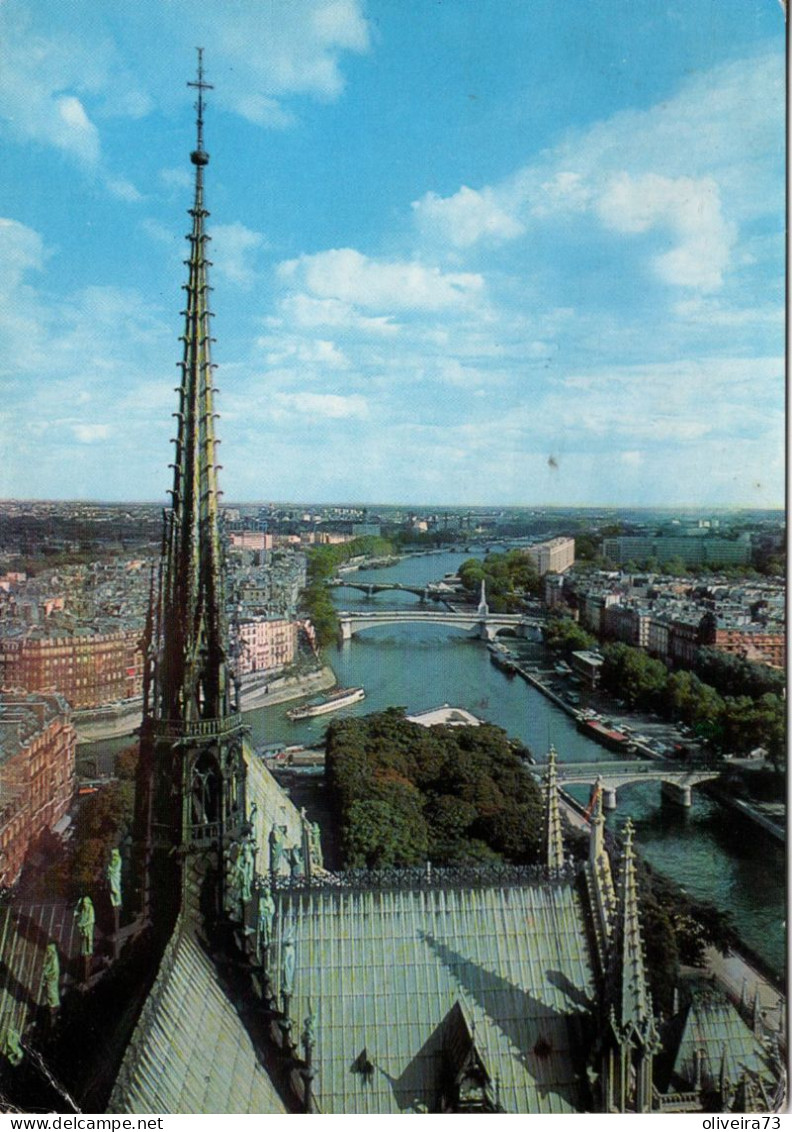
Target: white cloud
x,y
320,352
176,178
689,209
21,250
564,190
672,168
45,80
329,406
91,433
124,189
76,131
234,249
306,311
63,65
466,217
349,276
269,52
679,403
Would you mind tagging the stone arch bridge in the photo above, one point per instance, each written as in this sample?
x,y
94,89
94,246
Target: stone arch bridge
x,y
485,626
676,780
433,591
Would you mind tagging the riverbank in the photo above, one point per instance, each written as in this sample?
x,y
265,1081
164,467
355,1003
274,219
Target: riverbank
x,y
749,812
287,688
752,813
94,725
741,973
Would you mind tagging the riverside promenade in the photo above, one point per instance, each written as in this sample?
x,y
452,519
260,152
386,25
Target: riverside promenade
x,y
112,722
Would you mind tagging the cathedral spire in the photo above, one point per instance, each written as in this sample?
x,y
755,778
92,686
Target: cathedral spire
x,y
632,999
602,891
192,778
633,1034
194,680
554,844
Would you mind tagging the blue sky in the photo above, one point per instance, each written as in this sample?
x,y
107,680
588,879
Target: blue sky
x,y
465,251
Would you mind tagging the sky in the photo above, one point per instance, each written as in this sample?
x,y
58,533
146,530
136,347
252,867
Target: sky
x,y
464,251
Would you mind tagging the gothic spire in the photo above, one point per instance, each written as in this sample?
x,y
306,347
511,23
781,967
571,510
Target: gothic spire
x,y
599,871
193,680
633,1039
554,845
631,1000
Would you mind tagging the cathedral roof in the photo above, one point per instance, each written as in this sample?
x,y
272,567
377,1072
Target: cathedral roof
x,y
190,1051
382,972
709,1024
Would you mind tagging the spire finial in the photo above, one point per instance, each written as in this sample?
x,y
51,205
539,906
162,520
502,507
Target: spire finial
x,y
199,156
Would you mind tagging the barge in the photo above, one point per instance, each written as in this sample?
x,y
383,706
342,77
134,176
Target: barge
x,y
340,699
608,736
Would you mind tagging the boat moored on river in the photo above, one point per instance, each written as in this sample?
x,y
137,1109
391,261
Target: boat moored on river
x,y
343,697
609,737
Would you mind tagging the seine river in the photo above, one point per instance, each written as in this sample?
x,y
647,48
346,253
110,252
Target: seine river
x,y
709,851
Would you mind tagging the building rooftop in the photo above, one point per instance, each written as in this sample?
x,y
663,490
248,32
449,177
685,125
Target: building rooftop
x,y
450,716
23,716
386,974
191,1051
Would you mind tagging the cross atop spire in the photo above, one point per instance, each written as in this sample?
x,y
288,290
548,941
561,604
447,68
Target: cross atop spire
x,y
199,156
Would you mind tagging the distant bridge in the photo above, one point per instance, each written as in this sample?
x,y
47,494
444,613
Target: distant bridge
x,y
677,781
486,626
432,592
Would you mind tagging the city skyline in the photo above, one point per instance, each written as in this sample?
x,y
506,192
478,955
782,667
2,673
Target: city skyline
x,y
546,270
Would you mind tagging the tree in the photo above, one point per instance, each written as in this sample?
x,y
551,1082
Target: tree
x,y
442,793
103,820
632,674
734,675
562,634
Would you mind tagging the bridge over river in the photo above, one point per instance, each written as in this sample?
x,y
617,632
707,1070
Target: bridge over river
x,y
676,781
487,626
432,591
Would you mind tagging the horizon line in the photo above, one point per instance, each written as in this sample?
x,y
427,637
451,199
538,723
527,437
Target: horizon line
x,y
411,504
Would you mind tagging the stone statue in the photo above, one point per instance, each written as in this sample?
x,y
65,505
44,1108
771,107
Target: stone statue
x,y
10,1046
287,967
315,845
114,878
246,867
266,919
276,848
86,918
50,978
233,893
309,1030
296,862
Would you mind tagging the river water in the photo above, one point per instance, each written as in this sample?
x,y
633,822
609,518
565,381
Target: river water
x,y
709,851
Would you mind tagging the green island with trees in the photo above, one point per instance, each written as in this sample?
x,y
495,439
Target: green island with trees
x,y
406,794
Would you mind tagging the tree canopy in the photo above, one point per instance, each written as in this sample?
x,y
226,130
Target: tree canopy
x,y
407,794
509,578
562,634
